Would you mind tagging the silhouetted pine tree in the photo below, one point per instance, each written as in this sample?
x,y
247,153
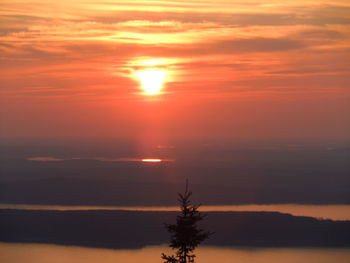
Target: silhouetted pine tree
x,y
185,234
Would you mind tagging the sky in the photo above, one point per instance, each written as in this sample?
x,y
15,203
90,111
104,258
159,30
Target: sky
x,y
233,69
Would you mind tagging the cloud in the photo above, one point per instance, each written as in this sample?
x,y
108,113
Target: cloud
x,y
89,50
321,33
101,159
143,160
258,44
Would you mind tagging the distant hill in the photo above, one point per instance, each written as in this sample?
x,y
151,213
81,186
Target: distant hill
x,y
135,229
111,190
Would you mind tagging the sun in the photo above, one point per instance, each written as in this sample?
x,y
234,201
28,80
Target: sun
x,y
151,80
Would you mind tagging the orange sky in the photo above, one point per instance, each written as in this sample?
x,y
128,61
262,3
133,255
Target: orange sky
x,y
235,69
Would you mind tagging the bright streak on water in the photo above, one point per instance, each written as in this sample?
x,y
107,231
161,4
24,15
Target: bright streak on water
x,y
40,253
151,160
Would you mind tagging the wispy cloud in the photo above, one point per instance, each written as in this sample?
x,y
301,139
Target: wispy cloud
x,y
101,159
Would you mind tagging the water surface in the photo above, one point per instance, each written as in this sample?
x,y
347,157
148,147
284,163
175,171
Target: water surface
x,y
40,253
335,212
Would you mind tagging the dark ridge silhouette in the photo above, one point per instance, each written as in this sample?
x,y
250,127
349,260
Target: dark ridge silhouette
x,y
135,229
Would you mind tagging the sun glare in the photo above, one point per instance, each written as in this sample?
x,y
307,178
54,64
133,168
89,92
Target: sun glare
x,y
151,80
